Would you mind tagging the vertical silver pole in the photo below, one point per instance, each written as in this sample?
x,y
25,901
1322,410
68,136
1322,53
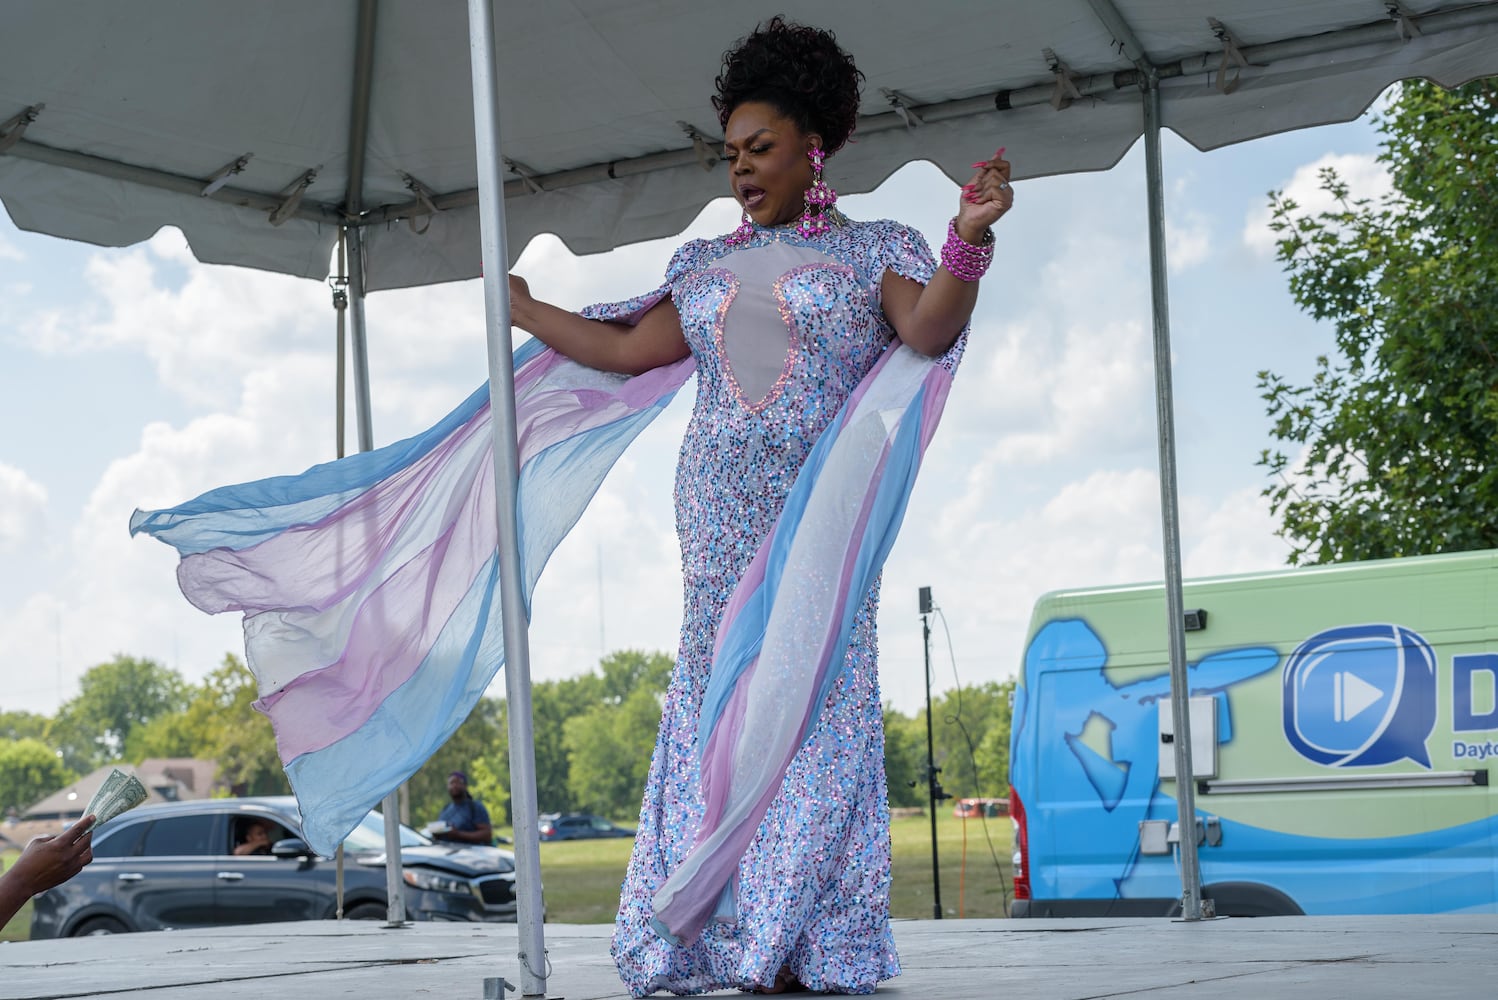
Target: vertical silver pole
x,y
340,304
1191,898
358,342
496,263
395,893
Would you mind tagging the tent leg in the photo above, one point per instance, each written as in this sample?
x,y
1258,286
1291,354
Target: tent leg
x,y
1191,899
496,261
395,893
357,339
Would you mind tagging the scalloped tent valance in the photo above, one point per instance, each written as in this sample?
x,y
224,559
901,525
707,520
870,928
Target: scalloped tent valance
x,y
116,117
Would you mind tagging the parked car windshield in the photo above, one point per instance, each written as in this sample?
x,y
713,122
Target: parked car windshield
x,y
369,835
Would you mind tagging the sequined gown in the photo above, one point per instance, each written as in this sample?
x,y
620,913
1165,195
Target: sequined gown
x,y
783,329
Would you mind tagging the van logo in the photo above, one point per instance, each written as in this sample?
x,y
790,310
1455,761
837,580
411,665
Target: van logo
x,y
1360,696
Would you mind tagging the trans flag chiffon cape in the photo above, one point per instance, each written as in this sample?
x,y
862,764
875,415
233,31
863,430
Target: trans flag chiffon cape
x,y
369,588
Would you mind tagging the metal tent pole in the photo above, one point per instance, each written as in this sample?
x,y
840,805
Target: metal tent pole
x,y
495,258
1170,512
395,893
353,206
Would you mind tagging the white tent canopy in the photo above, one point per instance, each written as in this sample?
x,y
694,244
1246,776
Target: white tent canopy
x,y
140,106
263,129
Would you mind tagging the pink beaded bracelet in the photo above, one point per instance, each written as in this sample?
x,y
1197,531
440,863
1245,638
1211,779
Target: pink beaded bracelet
x,y
963,260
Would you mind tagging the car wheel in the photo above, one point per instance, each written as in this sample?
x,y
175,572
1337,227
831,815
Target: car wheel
x,y
100,925
366,911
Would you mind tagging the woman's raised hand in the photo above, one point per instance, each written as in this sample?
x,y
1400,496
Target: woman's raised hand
x,y
985,198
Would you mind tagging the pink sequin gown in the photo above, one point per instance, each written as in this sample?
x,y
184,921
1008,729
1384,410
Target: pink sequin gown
x,y
783,330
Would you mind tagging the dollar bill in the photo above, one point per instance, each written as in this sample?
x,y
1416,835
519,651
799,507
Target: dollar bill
x,y
119,792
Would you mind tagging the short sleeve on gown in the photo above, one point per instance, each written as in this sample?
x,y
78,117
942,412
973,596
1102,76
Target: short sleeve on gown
x,y
903,250
687,258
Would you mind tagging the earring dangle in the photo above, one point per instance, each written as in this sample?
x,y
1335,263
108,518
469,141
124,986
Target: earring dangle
x,y
741,235
819,198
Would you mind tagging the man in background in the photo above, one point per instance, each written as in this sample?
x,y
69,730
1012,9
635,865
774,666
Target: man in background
x,y
466,818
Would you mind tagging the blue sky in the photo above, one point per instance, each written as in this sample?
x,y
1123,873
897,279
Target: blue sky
x,y
138,377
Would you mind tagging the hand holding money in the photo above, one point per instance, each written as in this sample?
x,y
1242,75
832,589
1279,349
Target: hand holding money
x,y
119,792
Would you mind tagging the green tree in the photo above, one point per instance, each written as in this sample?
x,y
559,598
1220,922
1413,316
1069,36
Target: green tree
x,y
480,737
904,759
964,720
29,772
627,671
114,698
219,722
619,701
489,779
23,726
608,752
1388,451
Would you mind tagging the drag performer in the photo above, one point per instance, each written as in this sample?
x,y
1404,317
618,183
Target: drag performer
x,y
784,318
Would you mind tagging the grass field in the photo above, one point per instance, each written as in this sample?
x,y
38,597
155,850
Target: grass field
x,y
582,877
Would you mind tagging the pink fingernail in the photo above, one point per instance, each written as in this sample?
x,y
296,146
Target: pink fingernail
x,y
982,163
1000,154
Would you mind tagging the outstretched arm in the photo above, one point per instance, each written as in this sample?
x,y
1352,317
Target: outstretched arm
x,y
46,862
929,317
654,341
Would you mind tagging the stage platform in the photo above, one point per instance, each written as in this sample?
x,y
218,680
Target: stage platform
x,y
1328,958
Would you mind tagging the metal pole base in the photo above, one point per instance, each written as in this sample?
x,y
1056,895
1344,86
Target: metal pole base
x,y
1208,911
495,988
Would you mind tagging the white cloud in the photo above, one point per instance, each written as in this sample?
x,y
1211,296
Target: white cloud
x,y
1188,242
114,593
989,560
202,333
1363,174
9,251
1071,375
23,504
1237,536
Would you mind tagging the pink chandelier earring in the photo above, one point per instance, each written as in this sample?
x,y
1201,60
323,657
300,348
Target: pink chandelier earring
x,y
819,199
743,234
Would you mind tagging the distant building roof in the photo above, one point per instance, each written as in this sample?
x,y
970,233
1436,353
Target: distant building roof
x,y
167,779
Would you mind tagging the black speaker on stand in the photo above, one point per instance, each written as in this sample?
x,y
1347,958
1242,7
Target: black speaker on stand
x,y
933,782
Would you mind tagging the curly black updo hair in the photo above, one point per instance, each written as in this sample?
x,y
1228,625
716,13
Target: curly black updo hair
x,y
798,70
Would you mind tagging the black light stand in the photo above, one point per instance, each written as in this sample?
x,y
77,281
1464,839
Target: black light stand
x,y
933,783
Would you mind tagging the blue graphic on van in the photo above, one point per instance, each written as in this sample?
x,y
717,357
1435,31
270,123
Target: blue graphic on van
x,y
1360,696
1067,696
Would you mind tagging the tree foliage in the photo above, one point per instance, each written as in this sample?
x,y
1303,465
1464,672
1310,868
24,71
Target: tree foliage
x,y
904,759
481,737
114,699
220,723
23,726
1388,451
970,744
593,737
609,745
29,772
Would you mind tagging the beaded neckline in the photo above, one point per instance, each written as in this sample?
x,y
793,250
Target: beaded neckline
x,y
834,216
